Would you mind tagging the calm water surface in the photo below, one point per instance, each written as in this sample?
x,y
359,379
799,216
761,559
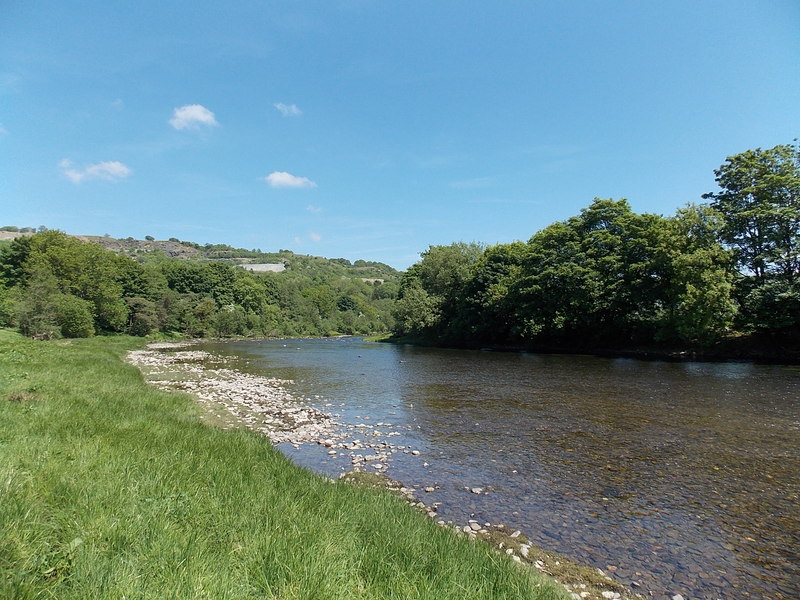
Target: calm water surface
x,y
683,476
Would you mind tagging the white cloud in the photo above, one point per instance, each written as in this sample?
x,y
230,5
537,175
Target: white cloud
x,y
313,209
192,116
315,237
282,179
288,110
108,171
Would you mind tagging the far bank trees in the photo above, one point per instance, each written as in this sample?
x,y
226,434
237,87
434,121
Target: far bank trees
x,y
54,285
610,276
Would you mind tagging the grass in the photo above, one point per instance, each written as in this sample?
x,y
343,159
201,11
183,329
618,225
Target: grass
x,y
113,489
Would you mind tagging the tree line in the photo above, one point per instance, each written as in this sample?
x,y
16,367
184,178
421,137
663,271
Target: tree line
x,y
607,276
54,285
610,276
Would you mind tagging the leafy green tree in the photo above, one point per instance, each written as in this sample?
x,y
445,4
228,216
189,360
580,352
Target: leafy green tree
x,y
12,261
143,316
7,306
486,308
759,199
249,293
760,202
591,278
73,316
434,284
35,306
85,270
697,277
230,321
417,311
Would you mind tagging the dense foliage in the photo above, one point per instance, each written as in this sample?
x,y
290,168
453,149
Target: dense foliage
x,y
611,276
54,285
608,276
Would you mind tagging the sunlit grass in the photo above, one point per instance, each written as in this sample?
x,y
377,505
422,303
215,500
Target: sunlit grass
x,y
112,489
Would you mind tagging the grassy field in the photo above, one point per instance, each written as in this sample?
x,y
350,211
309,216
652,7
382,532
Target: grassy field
x,y
113,489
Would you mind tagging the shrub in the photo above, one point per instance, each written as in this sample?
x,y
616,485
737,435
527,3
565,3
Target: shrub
x,y
74,316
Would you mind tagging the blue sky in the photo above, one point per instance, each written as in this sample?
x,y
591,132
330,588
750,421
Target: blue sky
x,y
372,129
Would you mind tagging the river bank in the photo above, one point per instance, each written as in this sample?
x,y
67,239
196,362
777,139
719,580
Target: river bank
x,y
232,398
111,488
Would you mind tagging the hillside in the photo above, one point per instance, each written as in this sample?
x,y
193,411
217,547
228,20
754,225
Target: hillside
x,y
142,250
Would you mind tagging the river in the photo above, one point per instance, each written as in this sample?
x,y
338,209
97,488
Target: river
x,y
678,478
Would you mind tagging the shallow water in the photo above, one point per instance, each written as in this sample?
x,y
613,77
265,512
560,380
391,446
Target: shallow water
x,y
681,477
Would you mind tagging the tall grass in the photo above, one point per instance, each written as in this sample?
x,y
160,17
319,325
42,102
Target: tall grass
x,y
112,489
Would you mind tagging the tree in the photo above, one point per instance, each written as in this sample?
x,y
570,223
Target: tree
x,y
35,307
12,260
759,199
434,286
416,312
697,277
143,317
74,316
760,203
486,308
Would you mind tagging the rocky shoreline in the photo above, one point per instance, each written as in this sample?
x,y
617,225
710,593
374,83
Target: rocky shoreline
x,y
233,398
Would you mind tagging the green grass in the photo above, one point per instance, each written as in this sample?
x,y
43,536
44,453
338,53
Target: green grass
x,y
113,489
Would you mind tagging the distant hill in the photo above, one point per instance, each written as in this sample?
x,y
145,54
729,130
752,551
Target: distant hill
x,y
255,259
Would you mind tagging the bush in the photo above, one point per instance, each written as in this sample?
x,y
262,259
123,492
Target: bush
x,y
143,317
74,316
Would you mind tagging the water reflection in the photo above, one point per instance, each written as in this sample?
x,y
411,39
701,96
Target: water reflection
x,y
684,476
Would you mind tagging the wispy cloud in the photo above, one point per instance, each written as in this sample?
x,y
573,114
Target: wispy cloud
x,y
288,110
282,179
3,130
313,209
315,237
192,116
108,171
476,182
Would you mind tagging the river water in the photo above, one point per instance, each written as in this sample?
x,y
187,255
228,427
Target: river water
x,y
681,477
